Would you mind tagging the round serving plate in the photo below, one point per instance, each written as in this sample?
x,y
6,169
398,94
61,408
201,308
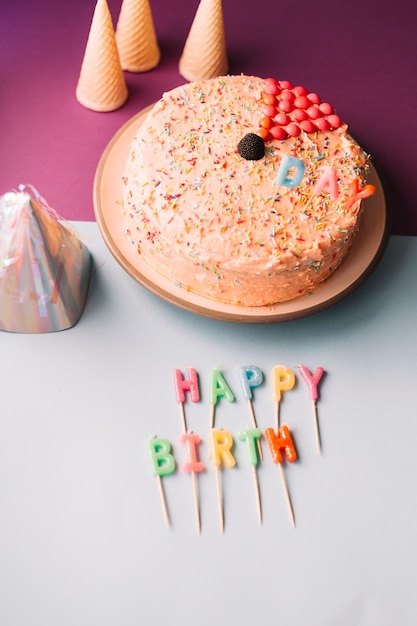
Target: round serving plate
x,y
364,255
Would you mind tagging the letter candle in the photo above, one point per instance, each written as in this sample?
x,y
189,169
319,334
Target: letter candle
x,y
312,380
251,376
218,389
190,440
276,443
221,443
252,437
163,464
181,385
283,380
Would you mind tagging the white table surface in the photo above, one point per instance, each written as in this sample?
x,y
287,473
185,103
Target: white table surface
x,y
82,536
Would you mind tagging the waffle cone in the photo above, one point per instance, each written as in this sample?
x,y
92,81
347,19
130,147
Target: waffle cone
x,y
204,55
101,85
136,38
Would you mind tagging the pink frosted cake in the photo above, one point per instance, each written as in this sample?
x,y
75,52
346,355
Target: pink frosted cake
x,y
244,190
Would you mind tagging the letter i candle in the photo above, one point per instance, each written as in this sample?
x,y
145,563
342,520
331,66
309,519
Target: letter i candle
x,y
163,464
312,380
190,440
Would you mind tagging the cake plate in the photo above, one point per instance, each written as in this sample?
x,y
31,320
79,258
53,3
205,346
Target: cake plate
x,y
364,255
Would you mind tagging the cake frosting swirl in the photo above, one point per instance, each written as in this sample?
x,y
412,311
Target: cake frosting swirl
x,y
247,231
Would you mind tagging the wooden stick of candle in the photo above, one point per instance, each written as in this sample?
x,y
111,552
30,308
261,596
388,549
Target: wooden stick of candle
x,y
221,443
163,501
219,498
251,436
287,494
281,441
257,492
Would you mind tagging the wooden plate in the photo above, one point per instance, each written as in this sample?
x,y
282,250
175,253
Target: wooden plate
x,y
365,253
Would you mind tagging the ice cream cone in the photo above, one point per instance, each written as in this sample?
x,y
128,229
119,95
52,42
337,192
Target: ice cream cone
x,y
204,55
101,85
136,38
44,268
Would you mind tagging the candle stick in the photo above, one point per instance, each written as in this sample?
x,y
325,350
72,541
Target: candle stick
x,y
252,436
192,465
221,443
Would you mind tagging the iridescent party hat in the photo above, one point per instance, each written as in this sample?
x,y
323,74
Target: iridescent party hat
x,y
44,267
136,38
204,55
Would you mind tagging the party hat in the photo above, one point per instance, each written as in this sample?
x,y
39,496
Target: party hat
x,y
204,55
101,85
136,38
44,268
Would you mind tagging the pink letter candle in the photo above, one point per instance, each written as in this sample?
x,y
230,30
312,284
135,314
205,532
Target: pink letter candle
x,y
312,381
192,464
190,384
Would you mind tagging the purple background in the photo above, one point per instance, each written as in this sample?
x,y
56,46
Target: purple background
x,y
359,55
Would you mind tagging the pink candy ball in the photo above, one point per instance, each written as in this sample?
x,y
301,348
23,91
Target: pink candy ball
x,y
286,106
300,91
308,126
287,95
269,110
314,98
271,81
326,108
282,119
293,130
299,115
278,133
322,123
285,84
271,89
301,102
334,121
314,112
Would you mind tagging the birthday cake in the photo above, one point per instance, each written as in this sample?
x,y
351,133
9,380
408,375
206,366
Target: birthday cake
x,y
244,190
